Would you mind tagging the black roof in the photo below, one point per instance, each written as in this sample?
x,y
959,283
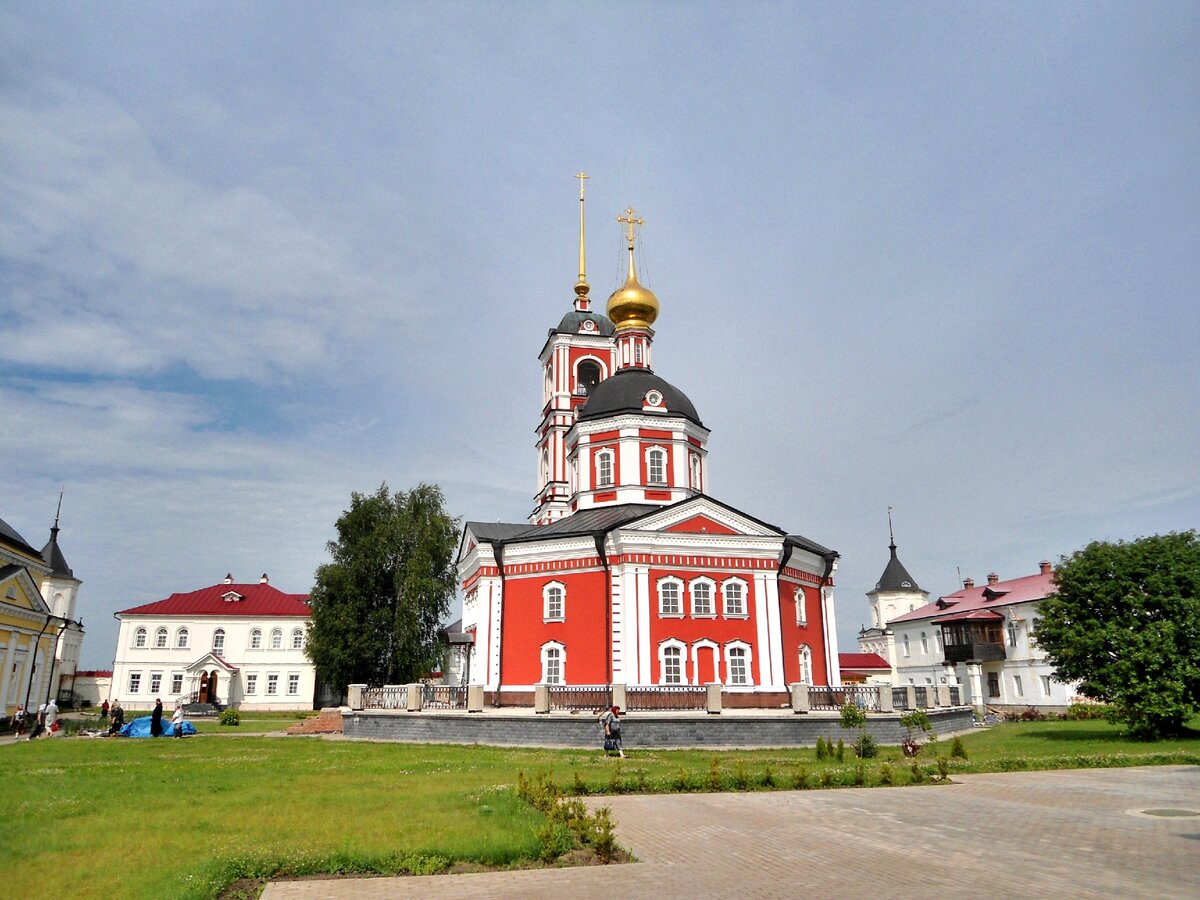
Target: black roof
x,y
496,531
10,535
801,541
625,392
53,556
571,324
895,577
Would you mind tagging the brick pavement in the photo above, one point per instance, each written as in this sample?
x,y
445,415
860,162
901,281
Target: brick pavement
x,y
1064,834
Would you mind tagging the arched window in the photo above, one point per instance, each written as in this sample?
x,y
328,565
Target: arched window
x,y
805,665
737,665
670,592
656,466
924,643
702,597
297,638
734,591
587,376
906,653
801,606
218,644
670,663
160,637
181,638
1012,634
554,605
256,639
554,663
694,467
139,637
604,468
276,638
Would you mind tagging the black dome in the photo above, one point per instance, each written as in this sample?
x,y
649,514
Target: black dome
x,y
625,392
573,321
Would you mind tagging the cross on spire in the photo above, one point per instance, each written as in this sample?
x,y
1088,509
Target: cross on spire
x,y
581,286
631,222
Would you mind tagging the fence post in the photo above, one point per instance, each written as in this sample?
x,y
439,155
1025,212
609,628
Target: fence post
x,y
885,698
618,696
474,698
713,698
943,694
414,697
354,696
910,696
541,698
800,701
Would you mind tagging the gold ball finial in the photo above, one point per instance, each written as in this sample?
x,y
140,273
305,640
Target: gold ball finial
x,y
632,305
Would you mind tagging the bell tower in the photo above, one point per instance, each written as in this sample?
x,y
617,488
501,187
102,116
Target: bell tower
x,y
577,356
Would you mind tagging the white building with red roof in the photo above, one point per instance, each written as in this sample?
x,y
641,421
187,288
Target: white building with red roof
x,y
228,644
984,638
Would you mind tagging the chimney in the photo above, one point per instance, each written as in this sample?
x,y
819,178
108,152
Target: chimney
x,y
968,582
264,579
1045,566
229,578
993,577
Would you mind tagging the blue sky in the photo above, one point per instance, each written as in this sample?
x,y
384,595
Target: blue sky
x,y
253,257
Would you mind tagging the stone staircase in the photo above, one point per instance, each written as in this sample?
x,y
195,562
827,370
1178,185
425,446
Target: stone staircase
x,y
202,710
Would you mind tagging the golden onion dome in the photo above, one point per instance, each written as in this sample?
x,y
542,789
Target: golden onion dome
x,y
632,305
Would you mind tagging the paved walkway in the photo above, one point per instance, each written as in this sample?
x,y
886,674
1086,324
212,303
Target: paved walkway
x,y
1065,834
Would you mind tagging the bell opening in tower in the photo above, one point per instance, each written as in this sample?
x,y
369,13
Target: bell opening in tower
x,y
589,377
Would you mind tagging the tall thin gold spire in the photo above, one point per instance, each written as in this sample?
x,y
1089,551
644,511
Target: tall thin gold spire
x,y
581,286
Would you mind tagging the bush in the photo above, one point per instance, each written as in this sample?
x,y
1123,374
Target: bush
x,y
841,750
864,747
715,781
943,767
887,774
957,750
821,751
741,778
800,779
230,717
1087,711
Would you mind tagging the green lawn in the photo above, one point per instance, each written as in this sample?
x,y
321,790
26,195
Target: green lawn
x,y
155,818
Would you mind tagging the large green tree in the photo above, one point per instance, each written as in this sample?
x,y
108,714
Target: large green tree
x,y
377,607
1125,623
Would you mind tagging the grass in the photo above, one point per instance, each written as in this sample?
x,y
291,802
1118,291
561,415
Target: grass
x,y
153,818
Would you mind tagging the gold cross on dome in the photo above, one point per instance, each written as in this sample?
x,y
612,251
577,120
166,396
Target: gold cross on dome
x,y
631,223
582,176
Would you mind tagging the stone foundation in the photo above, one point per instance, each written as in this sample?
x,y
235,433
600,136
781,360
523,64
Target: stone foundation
x,y
327,721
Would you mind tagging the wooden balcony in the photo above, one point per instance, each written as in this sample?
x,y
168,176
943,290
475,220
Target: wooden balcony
x,y
983,652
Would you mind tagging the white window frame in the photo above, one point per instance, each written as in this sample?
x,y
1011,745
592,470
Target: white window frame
x,y
293,685
660,454
560,654
256,641
924,643
1045,682
272,684
161,638
297,638
218,640
676,583
549,614
907,651
745,598
141,638
251,683
712,597
176,682
1011,629
806,676
156,682
606,459
1018,688
182,638
739,650
667,648
801,605
135,682
276,638
694,469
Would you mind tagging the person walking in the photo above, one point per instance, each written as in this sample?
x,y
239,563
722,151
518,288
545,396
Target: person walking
x,y
39,722
156,719
51,718
18,721
177,718
104,710
611,720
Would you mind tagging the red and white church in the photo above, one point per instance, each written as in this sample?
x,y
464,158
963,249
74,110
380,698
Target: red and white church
x,y
628,571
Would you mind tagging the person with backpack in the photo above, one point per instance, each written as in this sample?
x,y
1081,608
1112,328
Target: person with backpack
x,y
610,719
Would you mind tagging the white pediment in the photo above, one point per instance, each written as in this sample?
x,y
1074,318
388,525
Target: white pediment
x,y
693,513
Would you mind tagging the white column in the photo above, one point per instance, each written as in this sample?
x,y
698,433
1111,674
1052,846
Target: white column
x,y
645,600
766,586
829,621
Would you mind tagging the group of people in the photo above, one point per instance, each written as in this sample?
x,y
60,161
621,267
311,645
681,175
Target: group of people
x,y
45,722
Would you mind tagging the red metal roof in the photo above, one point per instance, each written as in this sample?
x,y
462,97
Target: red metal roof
x,y
852,661
984,597
255,600
971,615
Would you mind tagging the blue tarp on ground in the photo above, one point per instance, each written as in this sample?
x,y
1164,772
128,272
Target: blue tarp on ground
x,y
140,727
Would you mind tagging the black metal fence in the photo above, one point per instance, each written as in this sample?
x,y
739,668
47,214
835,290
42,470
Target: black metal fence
x,y
666,696
443,696
864,696
390,696
580,697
